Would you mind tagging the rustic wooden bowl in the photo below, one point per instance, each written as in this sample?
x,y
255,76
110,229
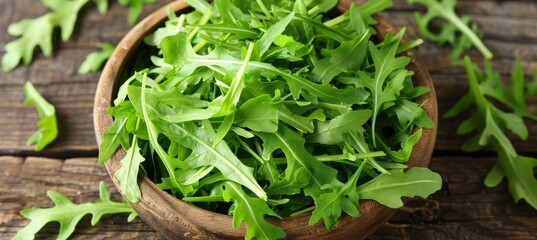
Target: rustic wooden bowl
x,y
176,219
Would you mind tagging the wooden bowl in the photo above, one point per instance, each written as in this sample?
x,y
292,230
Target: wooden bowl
x,y
176,219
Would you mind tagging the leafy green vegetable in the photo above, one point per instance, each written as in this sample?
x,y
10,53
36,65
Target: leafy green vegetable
x,y
388,189
37,32
95,60
48,127
68,214
490,123
127,174
455,32
136,7
259,110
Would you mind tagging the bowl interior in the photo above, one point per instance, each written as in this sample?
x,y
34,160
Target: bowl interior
x,y
174,218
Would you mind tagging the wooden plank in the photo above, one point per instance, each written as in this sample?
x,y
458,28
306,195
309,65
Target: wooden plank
x,y
463,209
26,181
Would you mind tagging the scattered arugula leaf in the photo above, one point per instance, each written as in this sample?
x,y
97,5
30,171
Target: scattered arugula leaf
x,y
455,32
38,32
136,7
48,127
68,214
94,61
490,123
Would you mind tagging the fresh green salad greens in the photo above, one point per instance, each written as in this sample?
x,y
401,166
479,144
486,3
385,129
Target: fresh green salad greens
x,y
94,61
491,123
491,96
68,214
38,32
456,32
278,106
48,127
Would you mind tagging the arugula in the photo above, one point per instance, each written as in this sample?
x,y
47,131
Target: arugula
x,y
456,32
94,61
490,122
68,214
255,111
48,126
38,32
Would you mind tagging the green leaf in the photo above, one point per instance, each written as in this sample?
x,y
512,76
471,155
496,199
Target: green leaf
x,y
384,89
102,5
332,132
135,8
445,9
251,211
490,123
38,32
68,214
200,140
258,114
94,61
272,33
388,189
341,198
114,135
349,55
48,127
127,174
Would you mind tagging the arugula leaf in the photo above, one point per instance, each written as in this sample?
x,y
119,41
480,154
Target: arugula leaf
x,y
37,32
95,60
388,189
332,132
341,198
69,214
258,114
251,210
386,64
445,9
205,154
136,7
127,174
490,122
48,126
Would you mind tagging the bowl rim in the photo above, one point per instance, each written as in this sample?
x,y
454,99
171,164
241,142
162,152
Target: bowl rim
x,y
173,217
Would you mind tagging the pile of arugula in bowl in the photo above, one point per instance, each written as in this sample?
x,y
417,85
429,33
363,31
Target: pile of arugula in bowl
x,y
275,108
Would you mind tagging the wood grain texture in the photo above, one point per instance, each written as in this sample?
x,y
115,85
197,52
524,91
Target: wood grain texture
x,y
465,209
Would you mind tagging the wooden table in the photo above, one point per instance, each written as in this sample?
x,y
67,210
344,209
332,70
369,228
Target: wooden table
x,y
463,209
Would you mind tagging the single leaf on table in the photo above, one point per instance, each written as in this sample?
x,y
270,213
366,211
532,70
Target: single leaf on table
x,y
490,123
388,189
445,9
95,60
38,32
251,210
102,5
48,126
127,174
136,7
68,214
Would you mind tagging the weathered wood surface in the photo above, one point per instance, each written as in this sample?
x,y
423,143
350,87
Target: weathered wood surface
x,y
465,209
